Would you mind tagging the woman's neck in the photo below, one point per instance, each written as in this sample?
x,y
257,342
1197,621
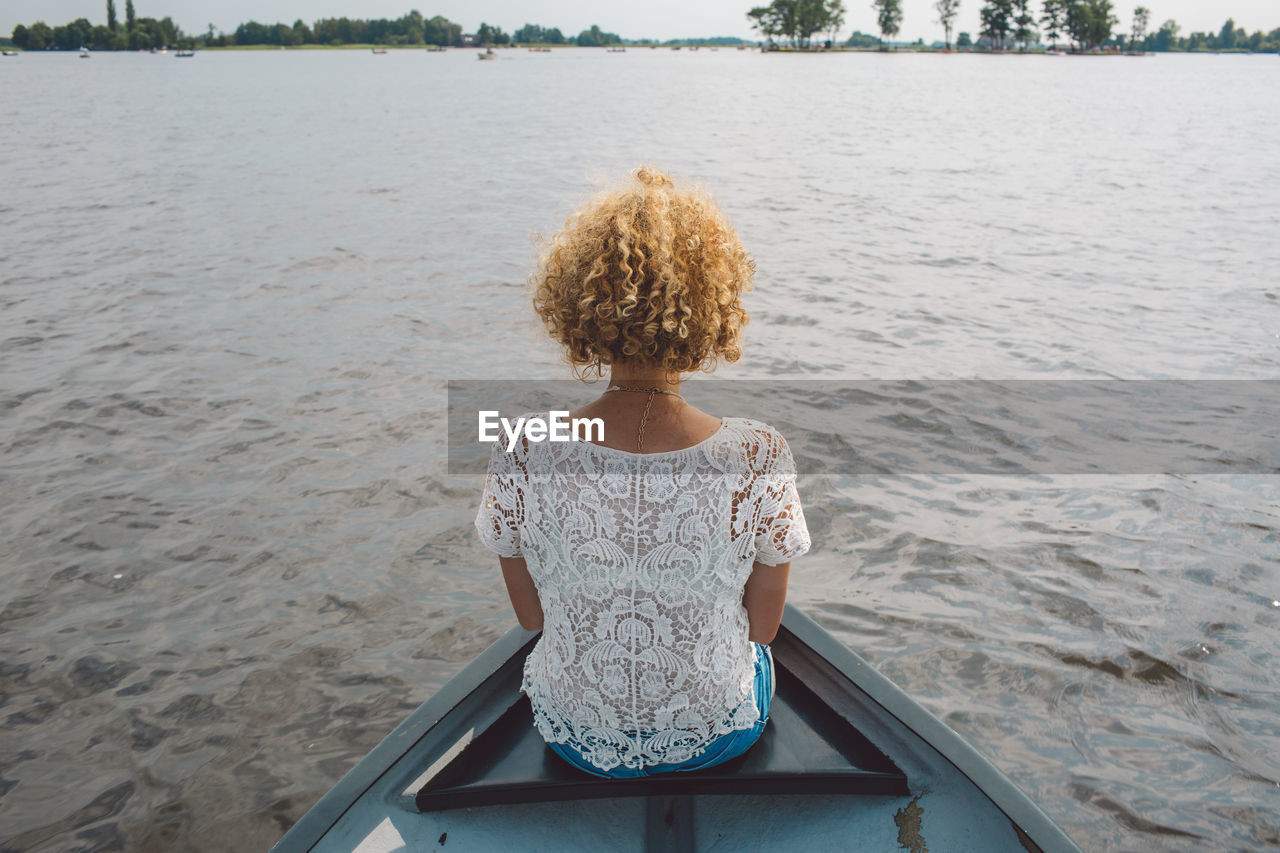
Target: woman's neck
x,y
642,376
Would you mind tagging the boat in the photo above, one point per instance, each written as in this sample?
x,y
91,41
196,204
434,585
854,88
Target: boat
x,y
84,52
10,53
185,54
489,54
617,50
379,50
846,756
435,48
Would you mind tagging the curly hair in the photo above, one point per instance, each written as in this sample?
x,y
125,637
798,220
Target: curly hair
x,y
649,273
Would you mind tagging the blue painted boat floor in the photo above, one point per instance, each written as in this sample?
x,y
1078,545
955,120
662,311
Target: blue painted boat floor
x,y
719,823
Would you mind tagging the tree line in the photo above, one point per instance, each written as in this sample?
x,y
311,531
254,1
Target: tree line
x,y
796,21
1006,24
134,33
1086,24
411,29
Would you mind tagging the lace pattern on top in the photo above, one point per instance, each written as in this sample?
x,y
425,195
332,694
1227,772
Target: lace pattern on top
x,y
640,561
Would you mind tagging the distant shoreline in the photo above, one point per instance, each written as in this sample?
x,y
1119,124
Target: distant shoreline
x,y
639,47
748,49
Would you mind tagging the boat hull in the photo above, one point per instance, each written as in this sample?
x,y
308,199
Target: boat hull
x,y
846,756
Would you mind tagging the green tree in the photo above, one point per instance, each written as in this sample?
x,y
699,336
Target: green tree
x,y
129,17
1227,36
797,20
997,21
1077,22
777,20
440,30
1024,24
286,36
835,19
112,23
888,17
596,37
1054,20
811,17
413,28
1138,33
78,33
1166,38
39,36
947,11
530,34
1089,22
964,40
1101,20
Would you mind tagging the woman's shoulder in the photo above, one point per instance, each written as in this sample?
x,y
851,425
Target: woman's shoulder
x,y
760,446
753,429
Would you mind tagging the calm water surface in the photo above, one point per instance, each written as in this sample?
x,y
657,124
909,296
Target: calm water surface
x,y
234,287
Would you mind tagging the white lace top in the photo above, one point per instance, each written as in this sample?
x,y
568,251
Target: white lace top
x,y
640,562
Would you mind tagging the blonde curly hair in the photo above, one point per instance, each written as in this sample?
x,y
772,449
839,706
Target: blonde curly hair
x,y
649,273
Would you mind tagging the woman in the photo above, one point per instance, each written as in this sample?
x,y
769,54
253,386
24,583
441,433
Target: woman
x,y
656,561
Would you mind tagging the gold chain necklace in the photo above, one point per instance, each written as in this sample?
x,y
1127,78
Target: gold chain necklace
x,y
647,404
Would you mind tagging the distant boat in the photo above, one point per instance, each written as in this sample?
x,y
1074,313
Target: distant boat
x,y
11,53
539,50
488,54
379,50
184,54
84,52
617,50
435,49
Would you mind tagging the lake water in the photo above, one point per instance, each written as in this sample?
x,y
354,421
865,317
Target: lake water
x,y
235,286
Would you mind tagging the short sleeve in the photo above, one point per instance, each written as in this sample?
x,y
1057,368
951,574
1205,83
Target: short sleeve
x,y
781,532
502,504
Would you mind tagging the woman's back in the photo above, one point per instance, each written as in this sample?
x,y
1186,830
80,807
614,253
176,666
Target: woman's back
x,y
640,561
657,578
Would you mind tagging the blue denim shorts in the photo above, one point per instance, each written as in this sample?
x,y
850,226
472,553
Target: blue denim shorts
x,y
724,748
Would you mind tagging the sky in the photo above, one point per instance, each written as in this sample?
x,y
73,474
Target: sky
x,y
660,19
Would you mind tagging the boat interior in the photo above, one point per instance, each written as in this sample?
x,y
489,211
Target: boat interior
x,y
834,767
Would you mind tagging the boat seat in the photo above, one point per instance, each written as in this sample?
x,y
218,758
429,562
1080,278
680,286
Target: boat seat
x,y
807,748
